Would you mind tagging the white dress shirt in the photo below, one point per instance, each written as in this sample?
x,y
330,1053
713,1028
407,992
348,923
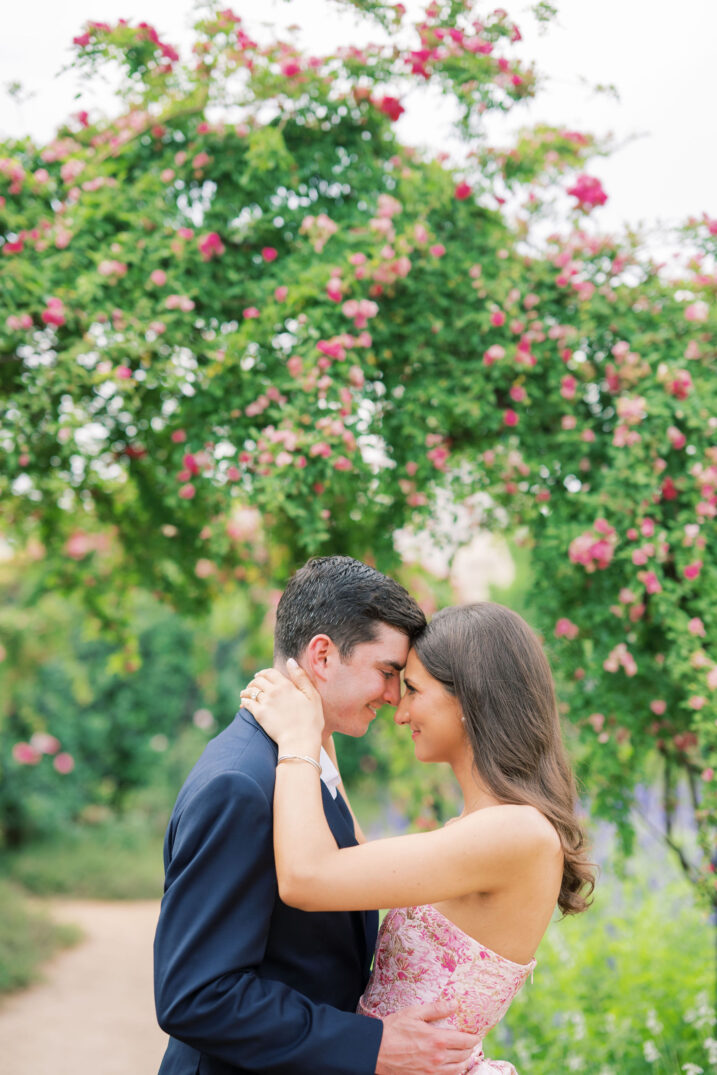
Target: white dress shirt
x,y
329,773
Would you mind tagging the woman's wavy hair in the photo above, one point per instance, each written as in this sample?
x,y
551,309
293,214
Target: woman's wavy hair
x,y
492,661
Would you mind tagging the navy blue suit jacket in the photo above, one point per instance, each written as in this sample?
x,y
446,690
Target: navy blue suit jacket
x,y
244,983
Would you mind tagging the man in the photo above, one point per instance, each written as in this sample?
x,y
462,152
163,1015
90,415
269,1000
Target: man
x,y
244,983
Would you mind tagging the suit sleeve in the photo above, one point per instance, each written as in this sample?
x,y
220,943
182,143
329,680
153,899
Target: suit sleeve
x,y
214,921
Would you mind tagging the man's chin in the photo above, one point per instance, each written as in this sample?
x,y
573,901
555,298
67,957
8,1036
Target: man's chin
x,y
357,725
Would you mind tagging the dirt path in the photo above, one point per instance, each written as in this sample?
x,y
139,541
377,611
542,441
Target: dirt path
x,y
94,1013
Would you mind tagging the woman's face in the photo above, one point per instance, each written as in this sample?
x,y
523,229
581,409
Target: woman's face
x,y
433,715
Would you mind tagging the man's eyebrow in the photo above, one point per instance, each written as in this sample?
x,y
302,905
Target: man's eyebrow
x,y
392,664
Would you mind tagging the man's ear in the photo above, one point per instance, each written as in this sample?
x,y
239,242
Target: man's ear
x,y
317,657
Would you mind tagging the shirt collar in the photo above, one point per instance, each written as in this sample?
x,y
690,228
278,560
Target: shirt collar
x,y
329,773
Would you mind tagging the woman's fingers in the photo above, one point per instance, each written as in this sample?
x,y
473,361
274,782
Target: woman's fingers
x,y
299,678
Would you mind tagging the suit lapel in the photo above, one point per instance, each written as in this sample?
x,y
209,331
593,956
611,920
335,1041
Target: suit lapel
x,y
341,824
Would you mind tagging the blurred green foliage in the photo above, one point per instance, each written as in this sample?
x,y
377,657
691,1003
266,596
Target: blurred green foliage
x,y
625,989
27,938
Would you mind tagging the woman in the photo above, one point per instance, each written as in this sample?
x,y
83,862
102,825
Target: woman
x,y
472,900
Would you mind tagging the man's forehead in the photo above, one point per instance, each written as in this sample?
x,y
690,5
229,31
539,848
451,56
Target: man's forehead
x,y
390,647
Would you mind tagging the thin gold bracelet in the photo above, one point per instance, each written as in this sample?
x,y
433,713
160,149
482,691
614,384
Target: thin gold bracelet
x,y
299,757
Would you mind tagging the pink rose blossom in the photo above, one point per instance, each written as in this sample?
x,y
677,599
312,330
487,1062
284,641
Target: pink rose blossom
x,y
158,277
437,250
650,581
45,743
588,191
697,311
109,267
510,418
250,313
54,314
15,322
334,289
696,627
676,438
187,491
712,679
179,302
658,707
681,385
290,68
64,763
269,253
280,293
463,191
697,701
692,571
517,393
594,554
497,318
210,246
565,628
25,754
493,354
568,386
391,107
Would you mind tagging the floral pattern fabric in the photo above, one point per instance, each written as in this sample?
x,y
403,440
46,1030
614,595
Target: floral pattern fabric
x,y
422,957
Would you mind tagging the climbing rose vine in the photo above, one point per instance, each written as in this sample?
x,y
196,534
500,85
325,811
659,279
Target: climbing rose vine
x,y
244,323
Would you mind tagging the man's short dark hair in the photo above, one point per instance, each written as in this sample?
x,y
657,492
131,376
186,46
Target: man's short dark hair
x,y
344,599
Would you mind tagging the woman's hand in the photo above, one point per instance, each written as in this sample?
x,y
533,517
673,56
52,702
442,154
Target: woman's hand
x,y
288,709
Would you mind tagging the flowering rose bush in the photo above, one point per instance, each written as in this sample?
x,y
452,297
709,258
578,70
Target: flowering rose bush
x,y
244,292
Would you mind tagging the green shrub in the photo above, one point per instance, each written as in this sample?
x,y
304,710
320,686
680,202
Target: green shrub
x,y
27,938
113,861
625,988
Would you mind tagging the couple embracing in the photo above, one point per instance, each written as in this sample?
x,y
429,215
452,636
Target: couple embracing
x,y
268,923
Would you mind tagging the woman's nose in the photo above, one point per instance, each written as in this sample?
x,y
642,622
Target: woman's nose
x,y
401,714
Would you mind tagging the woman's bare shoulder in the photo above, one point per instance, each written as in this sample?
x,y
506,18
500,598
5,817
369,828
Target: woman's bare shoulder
x,y
516,823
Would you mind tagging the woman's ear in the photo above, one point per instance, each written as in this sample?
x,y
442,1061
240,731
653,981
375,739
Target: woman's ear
x,y
317,657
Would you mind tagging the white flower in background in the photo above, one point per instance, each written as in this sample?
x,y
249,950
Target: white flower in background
x,y
711,1049
701,1014
692,1069
203,719
159,743
653,1023
578,1021
651,1051
576,1063
610,1024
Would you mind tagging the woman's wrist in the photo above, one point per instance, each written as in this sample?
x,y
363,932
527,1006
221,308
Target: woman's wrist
x,y
300,744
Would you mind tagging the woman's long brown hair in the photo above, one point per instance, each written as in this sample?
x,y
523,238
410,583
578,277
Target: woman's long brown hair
x,y
492,661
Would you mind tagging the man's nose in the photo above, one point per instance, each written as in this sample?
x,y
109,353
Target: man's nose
x,y
392,694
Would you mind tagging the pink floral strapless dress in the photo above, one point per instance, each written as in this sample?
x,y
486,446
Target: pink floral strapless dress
x,y
422,957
